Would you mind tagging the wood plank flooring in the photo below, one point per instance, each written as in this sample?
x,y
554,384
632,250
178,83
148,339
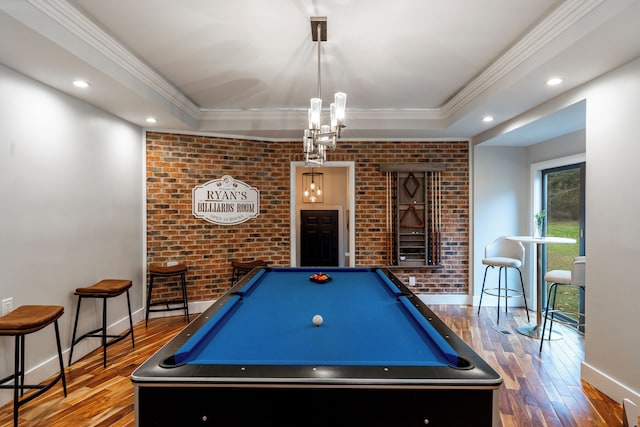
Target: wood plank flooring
x,y
539,389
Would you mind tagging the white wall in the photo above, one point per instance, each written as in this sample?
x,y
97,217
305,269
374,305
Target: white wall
x,y
500,189
560,147
72,194
612,340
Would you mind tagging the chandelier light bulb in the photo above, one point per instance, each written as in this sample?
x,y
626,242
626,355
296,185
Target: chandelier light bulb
x,y
334,116
314,115
341,105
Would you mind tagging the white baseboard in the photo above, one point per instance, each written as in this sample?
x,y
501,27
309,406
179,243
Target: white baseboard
x,y
607,385
445,298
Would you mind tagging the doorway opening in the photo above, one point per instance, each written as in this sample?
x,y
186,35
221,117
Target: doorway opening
x,y
338,195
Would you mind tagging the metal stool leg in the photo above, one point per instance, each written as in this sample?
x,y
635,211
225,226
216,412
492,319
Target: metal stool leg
x,y
149,292
18,378
62,376
75,328
21,383
499,289
551,306
133,343
184,295
104,332
482,291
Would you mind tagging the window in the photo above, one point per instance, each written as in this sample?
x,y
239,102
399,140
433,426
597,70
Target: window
x,y
563,199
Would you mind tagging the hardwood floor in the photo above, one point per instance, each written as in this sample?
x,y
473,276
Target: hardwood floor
x,y
538,390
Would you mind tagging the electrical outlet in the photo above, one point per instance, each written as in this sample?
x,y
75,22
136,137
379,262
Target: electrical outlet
x,y
7,305
412,281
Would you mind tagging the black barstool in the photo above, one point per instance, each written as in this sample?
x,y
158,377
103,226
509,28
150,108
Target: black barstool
x,y
172,270
104,289
22,321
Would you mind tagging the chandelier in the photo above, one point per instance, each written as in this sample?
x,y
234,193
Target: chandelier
x,y
312,184
320,137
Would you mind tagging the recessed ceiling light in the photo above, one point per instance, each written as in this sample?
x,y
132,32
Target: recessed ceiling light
x,y
81,84
554,81
151,120
487,119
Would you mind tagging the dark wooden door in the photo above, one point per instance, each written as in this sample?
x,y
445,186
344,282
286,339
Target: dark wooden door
x,y
319,238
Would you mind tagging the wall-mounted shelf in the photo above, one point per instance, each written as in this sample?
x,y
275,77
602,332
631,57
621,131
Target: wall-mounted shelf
x,y
413,220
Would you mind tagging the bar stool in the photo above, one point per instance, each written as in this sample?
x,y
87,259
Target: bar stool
x,y
169,270
504,254
20,322
564,278
104,289
242,268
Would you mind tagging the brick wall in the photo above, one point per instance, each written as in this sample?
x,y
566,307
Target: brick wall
x,y
177,163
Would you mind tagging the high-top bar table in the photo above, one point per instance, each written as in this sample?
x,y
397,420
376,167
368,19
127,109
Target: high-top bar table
x,y
535,330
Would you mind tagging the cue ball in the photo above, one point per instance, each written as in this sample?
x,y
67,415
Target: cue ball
x,y
317,320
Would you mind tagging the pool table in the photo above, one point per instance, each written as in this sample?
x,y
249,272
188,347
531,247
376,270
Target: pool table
x,y
380,357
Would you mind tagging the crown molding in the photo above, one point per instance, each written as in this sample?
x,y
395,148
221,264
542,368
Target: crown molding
x,y
550,28
71,19
554,28
555,24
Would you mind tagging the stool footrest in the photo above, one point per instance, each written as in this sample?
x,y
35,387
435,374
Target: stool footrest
x,y
158,310
167,304
42,388
95,334
505,293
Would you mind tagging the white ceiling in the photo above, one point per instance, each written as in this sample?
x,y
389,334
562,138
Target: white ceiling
x,y
412,69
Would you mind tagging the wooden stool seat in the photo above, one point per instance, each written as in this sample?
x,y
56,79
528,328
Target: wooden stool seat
x,y
105,289
167,270
24,320
29,318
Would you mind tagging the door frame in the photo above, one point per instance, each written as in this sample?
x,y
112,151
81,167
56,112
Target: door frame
x,y
294,242
535,204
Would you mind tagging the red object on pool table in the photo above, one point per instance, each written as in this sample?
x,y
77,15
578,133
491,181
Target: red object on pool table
x,y
320,278
385,359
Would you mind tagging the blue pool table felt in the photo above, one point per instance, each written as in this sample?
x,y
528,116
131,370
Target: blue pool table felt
x,y
367,321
